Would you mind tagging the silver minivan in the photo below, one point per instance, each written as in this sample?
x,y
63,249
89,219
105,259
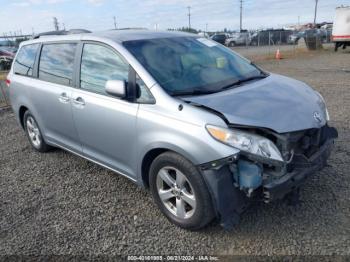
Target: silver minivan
x,y
206,130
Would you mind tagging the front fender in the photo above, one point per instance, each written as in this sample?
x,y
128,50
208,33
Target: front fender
x,y
164,126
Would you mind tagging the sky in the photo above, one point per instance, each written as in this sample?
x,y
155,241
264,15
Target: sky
x,y
27,16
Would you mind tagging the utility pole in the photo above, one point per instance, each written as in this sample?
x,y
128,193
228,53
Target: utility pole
x,y
206,27
316,4
115,22
240,17
55,24
189,17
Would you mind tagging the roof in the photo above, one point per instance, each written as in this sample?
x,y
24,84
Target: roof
x,y
132,35
118,36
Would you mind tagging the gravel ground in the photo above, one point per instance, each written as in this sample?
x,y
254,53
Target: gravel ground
x,y
4,101
57,203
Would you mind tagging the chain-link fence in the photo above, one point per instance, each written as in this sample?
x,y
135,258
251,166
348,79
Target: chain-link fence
x,y
265,44
284,37
270,37
4,92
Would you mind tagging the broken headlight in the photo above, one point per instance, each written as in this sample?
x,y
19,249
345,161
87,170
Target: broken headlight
x,y
250,143
323,106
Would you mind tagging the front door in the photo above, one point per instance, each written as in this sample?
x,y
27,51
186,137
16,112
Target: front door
x,y
106,125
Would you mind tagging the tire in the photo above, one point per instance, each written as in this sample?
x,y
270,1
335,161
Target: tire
x,y
176,206
34,134
231,44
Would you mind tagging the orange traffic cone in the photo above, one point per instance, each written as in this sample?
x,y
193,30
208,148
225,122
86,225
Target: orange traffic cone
x,y
278,54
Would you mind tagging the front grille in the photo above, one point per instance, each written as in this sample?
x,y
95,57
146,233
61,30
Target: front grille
x,y
300,146
296,148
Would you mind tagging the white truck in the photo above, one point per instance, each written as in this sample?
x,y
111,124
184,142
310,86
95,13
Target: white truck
x,y
341,27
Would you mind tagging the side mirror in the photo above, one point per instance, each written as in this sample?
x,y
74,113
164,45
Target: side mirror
x,y
116,88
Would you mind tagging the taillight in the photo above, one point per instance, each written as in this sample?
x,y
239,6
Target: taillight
x,y
8,82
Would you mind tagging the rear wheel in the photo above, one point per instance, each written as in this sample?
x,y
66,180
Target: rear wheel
x,y
231,44
33,132
180,191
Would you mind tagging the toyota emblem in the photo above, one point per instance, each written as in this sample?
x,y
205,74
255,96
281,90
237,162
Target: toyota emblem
x,y
317,117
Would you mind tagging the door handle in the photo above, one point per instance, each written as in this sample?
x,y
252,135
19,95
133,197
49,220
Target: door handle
x,y
79,101
64,98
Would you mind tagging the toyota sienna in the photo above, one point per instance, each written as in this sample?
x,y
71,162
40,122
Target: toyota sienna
x,y
206,130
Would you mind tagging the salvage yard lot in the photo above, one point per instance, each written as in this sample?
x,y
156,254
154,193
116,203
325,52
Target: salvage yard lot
x,y
58,203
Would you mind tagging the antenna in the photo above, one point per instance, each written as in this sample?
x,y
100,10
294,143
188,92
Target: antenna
x,y
316,4
55,24
241,16
189,17
115,22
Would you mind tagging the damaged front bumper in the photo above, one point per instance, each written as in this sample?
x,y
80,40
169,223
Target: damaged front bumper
x,y
278,188
231,198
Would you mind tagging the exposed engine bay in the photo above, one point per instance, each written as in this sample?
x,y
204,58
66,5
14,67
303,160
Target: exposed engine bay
x,y
245,177
301,150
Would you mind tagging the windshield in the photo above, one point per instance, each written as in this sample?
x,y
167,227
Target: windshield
x,y
189,65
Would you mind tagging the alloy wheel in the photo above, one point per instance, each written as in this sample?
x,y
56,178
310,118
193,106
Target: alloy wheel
x,y
176,192
33,132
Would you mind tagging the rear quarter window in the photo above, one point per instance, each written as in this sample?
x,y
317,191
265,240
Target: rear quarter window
x,y
25,60
57,63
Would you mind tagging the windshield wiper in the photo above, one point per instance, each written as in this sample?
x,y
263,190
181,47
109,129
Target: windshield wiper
x,y
262,72
193,92
206,92
238,82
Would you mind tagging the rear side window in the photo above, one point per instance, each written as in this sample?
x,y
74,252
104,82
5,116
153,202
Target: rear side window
x,y
25,60
57,63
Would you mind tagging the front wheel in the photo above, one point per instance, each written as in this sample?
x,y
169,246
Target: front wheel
x,y
180,191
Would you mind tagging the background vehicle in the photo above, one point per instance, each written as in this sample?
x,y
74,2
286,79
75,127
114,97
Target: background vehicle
x,y
6,43
203,34
341,28
6,57
241,38
220,38
294,38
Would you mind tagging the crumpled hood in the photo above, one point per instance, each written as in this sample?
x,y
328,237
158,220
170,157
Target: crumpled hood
x,y
276,102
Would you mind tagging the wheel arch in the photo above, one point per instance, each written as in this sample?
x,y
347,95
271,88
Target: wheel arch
x,y
21,112
147,162
152,153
